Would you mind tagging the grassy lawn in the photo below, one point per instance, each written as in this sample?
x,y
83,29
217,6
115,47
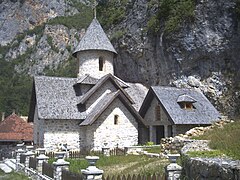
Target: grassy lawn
x,y
225,140
154,149
118,165
12,176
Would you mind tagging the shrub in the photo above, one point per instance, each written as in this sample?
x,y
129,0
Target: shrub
x,y
114,10
171,14
117,35
77,21
50,42
150,143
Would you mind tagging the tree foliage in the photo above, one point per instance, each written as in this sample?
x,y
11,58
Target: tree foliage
x,y
14,89
111,12
171,14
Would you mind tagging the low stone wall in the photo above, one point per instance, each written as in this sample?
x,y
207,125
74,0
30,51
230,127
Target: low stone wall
x,y
211,168
175,144
208,168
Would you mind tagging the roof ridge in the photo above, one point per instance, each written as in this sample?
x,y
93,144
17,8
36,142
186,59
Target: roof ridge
x,y
99,83
110,97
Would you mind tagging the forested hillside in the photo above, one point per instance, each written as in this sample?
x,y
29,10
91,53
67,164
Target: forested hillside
x,y
183,43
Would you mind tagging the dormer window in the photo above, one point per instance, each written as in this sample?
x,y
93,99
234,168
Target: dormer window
x,y
186,102
101,63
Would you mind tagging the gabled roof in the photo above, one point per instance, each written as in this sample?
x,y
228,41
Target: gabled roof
x,y
105,103
14,128
203,112
137,92
87,79
99,84
55,98
94,39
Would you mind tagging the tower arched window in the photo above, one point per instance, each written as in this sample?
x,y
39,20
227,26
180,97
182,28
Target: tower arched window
x,y
101,63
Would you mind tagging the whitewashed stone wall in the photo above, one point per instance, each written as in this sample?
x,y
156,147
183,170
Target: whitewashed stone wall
x,y
125,133
89,63
61,131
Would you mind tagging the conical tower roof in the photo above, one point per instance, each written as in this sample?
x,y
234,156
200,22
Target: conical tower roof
x,y
94,39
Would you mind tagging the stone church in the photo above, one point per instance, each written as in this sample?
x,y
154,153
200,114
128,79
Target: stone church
x,y
93,110
97,109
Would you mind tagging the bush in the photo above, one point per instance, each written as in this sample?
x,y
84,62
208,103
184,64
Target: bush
x,y
114,10
117,35
77,21
171,14
150,143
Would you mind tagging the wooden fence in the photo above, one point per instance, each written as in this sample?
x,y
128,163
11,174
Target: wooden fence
x,y
67,175
117,152
80,154
47,169
33,162
135,177
49,154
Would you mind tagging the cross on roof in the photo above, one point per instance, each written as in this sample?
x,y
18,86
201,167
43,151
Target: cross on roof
x,y
94,7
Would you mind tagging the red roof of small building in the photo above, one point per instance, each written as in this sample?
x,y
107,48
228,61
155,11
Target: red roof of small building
x,y
14,128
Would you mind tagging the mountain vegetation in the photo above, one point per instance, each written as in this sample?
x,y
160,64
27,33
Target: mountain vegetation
x,y
16,85
160,42
223,140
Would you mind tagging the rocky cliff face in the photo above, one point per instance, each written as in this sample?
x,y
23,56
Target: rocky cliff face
x,y
17,16
203,53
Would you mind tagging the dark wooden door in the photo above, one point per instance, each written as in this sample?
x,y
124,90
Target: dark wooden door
x,y
159,133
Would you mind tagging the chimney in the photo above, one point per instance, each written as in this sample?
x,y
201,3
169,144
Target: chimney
x,y
3,116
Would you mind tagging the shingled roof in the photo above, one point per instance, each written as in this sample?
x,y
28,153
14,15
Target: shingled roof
x,y
202,113
94,39
56,98
105,78
14,128
104,104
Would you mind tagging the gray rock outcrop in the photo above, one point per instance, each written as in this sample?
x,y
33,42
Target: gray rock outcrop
x,y
203,53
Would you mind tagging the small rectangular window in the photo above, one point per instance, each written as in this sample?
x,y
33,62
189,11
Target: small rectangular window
x,y
101,64
158,112
116,119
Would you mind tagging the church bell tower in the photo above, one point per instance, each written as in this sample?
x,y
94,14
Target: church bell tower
x,y
95,52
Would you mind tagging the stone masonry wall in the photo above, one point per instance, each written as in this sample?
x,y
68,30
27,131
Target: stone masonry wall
x,y
89,63
61,132
150,115
208,168
125,133
182,128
